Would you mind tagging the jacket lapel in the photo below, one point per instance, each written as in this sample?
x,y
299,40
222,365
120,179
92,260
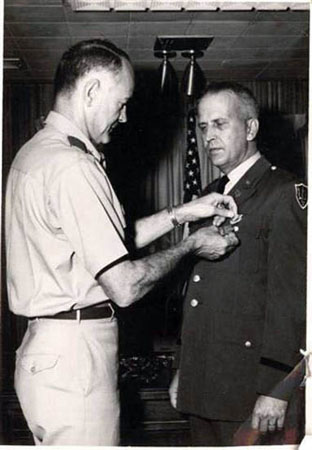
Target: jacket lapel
x,y
247,185
245,188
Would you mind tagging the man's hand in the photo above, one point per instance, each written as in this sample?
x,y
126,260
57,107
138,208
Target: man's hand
x,y
173,389
206,206
268,414
208,243
150,228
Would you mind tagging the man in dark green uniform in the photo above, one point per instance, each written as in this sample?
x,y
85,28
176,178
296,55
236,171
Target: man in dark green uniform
x,y
244,314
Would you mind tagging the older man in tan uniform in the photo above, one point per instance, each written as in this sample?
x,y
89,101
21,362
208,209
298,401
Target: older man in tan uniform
x,y
68,263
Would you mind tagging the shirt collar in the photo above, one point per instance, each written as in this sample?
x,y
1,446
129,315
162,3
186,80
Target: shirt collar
x,y
236,174
67,127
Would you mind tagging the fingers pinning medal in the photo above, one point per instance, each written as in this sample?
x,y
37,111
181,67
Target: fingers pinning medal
x,y
230,225
228,230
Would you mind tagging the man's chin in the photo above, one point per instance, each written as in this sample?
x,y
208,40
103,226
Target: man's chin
x,y
105,139
216,159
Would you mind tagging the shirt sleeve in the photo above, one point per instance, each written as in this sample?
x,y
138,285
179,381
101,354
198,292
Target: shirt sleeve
x,y
88,214
284,328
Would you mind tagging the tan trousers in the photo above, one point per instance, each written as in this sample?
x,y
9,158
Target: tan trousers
x,y
66,381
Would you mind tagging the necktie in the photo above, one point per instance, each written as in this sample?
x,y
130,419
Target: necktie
x,y
221,185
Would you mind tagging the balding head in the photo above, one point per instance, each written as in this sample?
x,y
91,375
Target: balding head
x,y
83,57
93,83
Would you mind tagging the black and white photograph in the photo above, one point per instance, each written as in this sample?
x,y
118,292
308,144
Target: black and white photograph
x,y
154,231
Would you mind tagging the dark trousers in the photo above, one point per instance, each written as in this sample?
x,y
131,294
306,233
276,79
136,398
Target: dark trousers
x,y
212,433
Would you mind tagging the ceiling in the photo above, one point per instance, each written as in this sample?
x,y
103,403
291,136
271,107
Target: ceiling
x,y
253,43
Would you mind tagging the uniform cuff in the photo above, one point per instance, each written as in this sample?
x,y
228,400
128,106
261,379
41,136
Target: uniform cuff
x,y
274,379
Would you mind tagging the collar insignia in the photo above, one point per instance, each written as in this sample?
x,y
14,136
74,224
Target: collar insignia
x,y
237,193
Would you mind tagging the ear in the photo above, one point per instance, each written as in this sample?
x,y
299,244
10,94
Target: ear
x,y
90,91
252,129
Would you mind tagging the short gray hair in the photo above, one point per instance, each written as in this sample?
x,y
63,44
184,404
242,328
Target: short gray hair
x,y
83,57
249,105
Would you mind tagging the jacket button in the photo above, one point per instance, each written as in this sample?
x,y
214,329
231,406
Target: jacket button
x,y
248,344
194,302
33,369
196,278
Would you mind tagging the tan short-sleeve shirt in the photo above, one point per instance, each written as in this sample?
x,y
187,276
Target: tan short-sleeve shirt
x,y
64,223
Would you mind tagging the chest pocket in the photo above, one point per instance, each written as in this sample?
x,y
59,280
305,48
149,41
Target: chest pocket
x,y
253,233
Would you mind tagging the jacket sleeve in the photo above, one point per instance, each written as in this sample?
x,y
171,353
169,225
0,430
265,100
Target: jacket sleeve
x,y
284,328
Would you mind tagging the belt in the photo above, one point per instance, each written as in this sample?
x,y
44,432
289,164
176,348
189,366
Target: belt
x,y
91,312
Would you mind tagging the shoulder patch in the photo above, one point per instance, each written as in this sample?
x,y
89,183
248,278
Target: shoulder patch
x,y
301,195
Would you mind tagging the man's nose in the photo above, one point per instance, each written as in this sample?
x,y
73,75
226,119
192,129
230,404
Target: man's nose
x,y
209,135
123,115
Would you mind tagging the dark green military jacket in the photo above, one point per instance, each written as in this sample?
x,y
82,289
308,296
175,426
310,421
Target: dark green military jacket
x,y
244,315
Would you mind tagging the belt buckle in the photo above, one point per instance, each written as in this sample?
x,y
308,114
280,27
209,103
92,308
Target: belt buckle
x,y
113,311
78,314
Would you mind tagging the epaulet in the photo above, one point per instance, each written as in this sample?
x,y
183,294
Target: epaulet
x,y
75,142
283,174
300,188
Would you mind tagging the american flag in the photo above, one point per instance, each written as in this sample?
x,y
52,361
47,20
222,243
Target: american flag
x,y
192,179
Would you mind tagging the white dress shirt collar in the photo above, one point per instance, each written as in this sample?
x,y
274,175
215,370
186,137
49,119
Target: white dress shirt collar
x,y
236,174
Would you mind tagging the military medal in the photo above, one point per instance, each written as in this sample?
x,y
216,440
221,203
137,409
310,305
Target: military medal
x,y
236,219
